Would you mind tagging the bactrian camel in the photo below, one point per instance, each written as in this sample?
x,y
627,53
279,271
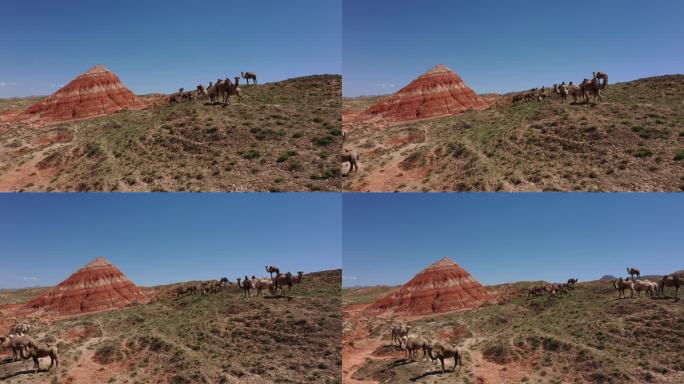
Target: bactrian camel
x,y
352,158
644,286
622,285
262,283
443,352
411,344
271,269
37,351
633,271
246,285
281,280
670,281
249,75
399,331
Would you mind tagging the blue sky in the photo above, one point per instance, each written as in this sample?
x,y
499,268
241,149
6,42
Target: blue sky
x,y
159,46
502,46
164,238
507,237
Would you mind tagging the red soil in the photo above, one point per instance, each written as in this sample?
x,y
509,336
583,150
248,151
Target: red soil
x,y
97,92
442,287
438,92
99,286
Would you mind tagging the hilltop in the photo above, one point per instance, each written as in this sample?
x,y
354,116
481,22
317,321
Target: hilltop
x,y
283,136
630,142
219,338
586,336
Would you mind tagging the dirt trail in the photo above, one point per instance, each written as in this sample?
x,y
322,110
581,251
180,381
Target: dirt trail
x,y
390,176
354,355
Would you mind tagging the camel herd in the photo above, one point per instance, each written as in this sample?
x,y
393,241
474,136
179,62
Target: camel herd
x,y
218,92
24,347
274,284
552,290
411,344
650,288
580,93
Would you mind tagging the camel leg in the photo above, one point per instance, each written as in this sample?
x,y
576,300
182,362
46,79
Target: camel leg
x,y
441,359
351,166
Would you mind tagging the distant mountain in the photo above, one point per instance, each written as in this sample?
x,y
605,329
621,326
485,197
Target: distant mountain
x,y
608,277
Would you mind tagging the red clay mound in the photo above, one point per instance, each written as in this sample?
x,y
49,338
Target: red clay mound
x,y
98,92
442,287
99,286
438,92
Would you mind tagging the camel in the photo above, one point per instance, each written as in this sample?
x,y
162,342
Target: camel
x,y
442,352
176,97
633,271
574,90
643,285
19,345
603,77
36,352
399,331
261,283
287,279
572,281
225,281
411,344
670,281
351,157
592,87
247,285
563,90
226,89
212,92
249,75
21,329
622,285
201,91
271,269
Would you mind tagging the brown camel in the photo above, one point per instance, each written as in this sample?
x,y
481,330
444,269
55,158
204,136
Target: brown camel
x,y
351,157
271,269
247,285
622,285
634,271
288,279
35,352
442,352
249,75
603,77
670,281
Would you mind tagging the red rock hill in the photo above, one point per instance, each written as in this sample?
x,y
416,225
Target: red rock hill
x,y
98,286
442,287
438,92
98,92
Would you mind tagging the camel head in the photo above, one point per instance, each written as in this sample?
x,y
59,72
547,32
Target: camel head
x,y
237,79
242,74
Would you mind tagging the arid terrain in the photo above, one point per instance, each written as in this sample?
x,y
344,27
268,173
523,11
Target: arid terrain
x,y
632,141
216,338
586,336
282,136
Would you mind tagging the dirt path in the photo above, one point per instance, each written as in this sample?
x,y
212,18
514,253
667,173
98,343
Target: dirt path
x,y
357,345
389,176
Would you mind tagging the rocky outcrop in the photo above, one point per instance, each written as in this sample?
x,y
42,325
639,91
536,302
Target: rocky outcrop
x,y
98,92
99,286
442,287
438,92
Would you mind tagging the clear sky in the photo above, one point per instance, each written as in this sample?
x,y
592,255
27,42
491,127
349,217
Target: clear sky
x,y
159,46
165,238
508,237
502,46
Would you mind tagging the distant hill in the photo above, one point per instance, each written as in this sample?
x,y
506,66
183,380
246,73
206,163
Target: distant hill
x,y
608,277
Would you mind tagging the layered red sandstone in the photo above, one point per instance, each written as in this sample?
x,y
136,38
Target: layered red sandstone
x,y
442,287
97,92
438,92
98,286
